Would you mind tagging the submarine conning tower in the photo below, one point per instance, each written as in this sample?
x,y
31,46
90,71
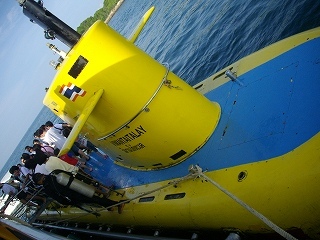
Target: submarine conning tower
x,y
129,105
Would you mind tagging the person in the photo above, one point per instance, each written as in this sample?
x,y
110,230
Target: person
x,y
16,177
21,173
56,140
31,160
24,176
37,141
36,136
69,195
47,150
63,128
52,137
41,168
82,143
52,163
68,157
26,157
29,150
14,191
89,146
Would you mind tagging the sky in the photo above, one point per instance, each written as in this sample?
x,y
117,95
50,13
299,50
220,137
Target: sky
x,y
24,65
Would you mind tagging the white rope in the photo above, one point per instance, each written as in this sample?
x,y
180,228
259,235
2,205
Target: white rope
x,y
189,176
196,169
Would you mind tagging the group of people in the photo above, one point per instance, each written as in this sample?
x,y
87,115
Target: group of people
x,y
61,178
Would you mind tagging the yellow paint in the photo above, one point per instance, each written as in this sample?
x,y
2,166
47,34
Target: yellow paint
x,y
85,114
257,58
284,189
172,117
147,117
141,25
6,234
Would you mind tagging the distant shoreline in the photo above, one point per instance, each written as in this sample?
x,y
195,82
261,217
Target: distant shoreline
x,y
113,11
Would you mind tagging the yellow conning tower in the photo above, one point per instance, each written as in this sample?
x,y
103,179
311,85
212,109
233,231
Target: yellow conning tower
x,y
141,114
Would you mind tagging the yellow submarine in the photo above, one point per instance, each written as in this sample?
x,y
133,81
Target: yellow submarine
x,y
237,155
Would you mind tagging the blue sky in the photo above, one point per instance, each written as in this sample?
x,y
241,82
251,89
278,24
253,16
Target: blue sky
x,y
24,66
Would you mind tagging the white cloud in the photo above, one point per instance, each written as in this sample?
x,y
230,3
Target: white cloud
x,y
13,14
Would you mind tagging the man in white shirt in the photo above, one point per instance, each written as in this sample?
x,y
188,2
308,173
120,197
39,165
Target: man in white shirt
x,y
55,139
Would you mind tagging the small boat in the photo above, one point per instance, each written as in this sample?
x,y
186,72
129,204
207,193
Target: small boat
x,y
236,155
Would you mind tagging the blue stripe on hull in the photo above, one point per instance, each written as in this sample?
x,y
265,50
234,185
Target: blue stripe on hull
x,y
275,111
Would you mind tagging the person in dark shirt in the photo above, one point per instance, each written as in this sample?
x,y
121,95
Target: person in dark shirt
x,y
30,161
68,193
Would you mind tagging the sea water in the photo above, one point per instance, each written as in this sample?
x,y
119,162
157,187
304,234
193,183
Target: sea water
x,y
198,38
44,115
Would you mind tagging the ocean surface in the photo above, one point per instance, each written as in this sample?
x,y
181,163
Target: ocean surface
x,y
198,38
44,116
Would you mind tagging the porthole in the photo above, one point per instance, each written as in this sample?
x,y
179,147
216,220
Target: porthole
x,y
146,199
174,196
242,176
